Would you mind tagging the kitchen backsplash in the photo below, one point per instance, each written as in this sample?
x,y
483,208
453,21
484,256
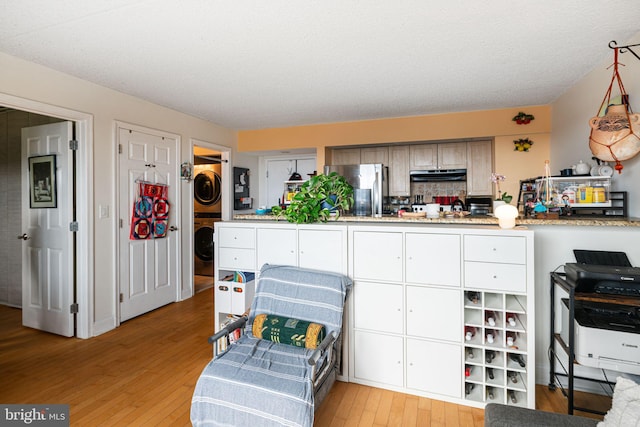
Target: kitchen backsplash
x,y
431,189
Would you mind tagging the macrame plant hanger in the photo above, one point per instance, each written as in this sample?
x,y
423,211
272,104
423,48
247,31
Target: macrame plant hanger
x,y
609,131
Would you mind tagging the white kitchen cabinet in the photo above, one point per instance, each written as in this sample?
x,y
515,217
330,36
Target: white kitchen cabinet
x,y
434,367
235,251
496,262
375,155
443,271
378,307
499,319
276,246
399,184
479,168
452,156
380,358
322,248
377,255
434,313
417,290
346,156
433,259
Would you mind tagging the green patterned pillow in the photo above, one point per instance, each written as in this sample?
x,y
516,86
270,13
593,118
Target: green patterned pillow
x,y
285,330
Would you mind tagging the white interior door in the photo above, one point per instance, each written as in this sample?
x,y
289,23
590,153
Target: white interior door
x,y
148,268
47,211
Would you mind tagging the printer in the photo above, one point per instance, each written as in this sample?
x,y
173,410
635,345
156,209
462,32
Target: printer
x,y
607,311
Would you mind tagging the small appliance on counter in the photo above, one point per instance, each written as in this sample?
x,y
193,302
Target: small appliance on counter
x,y
479,206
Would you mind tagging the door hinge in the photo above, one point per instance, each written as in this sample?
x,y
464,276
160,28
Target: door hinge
x,y
120,222
73,309
121,297
73,145
119,148
73,226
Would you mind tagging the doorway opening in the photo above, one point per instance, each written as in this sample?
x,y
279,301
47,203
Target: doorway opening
x,y
208,192
28,113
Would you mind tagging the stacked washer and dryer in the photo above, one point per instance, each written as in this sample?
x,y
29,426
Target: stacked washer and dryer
x,y
207,192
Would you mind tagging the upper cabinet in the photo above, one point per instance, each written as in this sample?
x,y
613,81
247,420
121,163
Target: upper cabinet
x,y
479,167
375,155
346,156
438,156
423,156
399,184
452,156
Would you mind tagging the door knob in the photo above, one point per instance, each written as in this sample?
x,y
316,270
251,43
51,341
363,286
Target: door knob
x,y
173,228
24,237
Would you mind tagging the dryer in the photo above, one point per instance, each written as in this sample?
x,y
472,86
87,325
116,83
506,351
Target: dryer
x,y
207,189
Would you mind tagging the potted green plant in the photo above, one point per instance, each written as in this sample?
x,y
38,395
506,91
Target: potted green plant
x,y
318,199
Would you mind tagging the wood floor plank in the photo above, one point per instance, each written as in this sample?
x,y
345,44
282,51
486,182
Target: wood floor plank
x,y
144,373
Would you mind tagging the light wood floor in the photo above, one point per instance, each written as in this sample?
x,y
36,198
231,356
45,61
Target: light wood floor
x,y
144,372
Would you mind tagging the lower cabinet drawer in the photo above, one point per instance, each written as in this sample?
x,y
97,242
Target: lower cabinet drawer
x,y
237,259
496,277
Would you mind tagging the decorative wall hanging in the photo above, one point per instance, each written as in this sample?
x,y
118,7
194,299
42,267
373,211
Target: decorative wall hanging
x,y
523,118
615,136
186,171
522,144
150,216
42,182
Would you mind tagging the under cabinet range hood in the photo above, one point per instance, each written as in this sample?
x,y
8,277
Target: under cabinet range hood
x,y
438,175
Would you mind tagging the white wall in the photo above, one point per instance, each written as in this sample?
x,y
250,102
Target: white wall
x,y
30,81
571,112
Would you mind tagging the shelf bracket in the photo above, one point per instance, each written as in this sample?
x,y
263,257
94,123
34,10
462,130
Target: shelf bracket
x,y
623,49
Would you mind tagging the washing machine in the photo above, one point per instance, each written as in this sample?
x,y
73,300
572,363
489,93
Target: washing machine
x,y
207,208
207,189
203,244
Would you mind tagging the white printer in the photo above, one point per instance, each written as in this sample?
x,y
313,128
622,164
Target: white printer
x,y
607,311
607,336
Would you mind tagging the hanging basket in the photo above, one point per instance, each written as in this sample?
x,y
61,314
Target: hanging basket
x,y
616,135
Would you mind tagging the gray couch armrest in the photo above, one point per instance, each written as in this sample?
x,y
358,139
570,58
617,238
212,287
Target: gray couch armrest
x,y
498,415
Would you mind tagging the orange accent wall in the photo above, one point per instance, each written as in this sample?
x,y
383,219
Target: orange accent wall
x,y
485,123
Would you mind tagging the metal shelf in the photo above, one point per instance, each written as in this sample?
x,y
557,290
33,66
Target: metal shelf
x,y
559,279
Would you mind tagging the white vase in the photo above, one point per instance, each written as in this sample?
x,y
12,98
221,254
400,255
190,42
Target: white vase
x,y
497,203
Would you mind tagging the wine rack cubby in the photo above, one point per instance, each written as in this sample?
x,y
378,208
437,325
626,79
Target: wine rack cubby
x,y
495,348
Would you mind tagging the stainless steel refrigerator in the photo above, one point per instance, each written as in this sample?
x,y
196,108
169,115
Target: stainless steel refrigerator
x,y
371,177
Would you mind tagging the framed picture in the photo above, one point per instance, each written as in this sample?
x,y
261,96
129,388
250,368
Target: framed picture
x,y
42,182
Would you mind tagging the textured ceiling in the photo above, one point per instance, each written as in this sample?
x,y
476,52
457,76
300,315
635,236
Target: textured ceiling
x,y
258,64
